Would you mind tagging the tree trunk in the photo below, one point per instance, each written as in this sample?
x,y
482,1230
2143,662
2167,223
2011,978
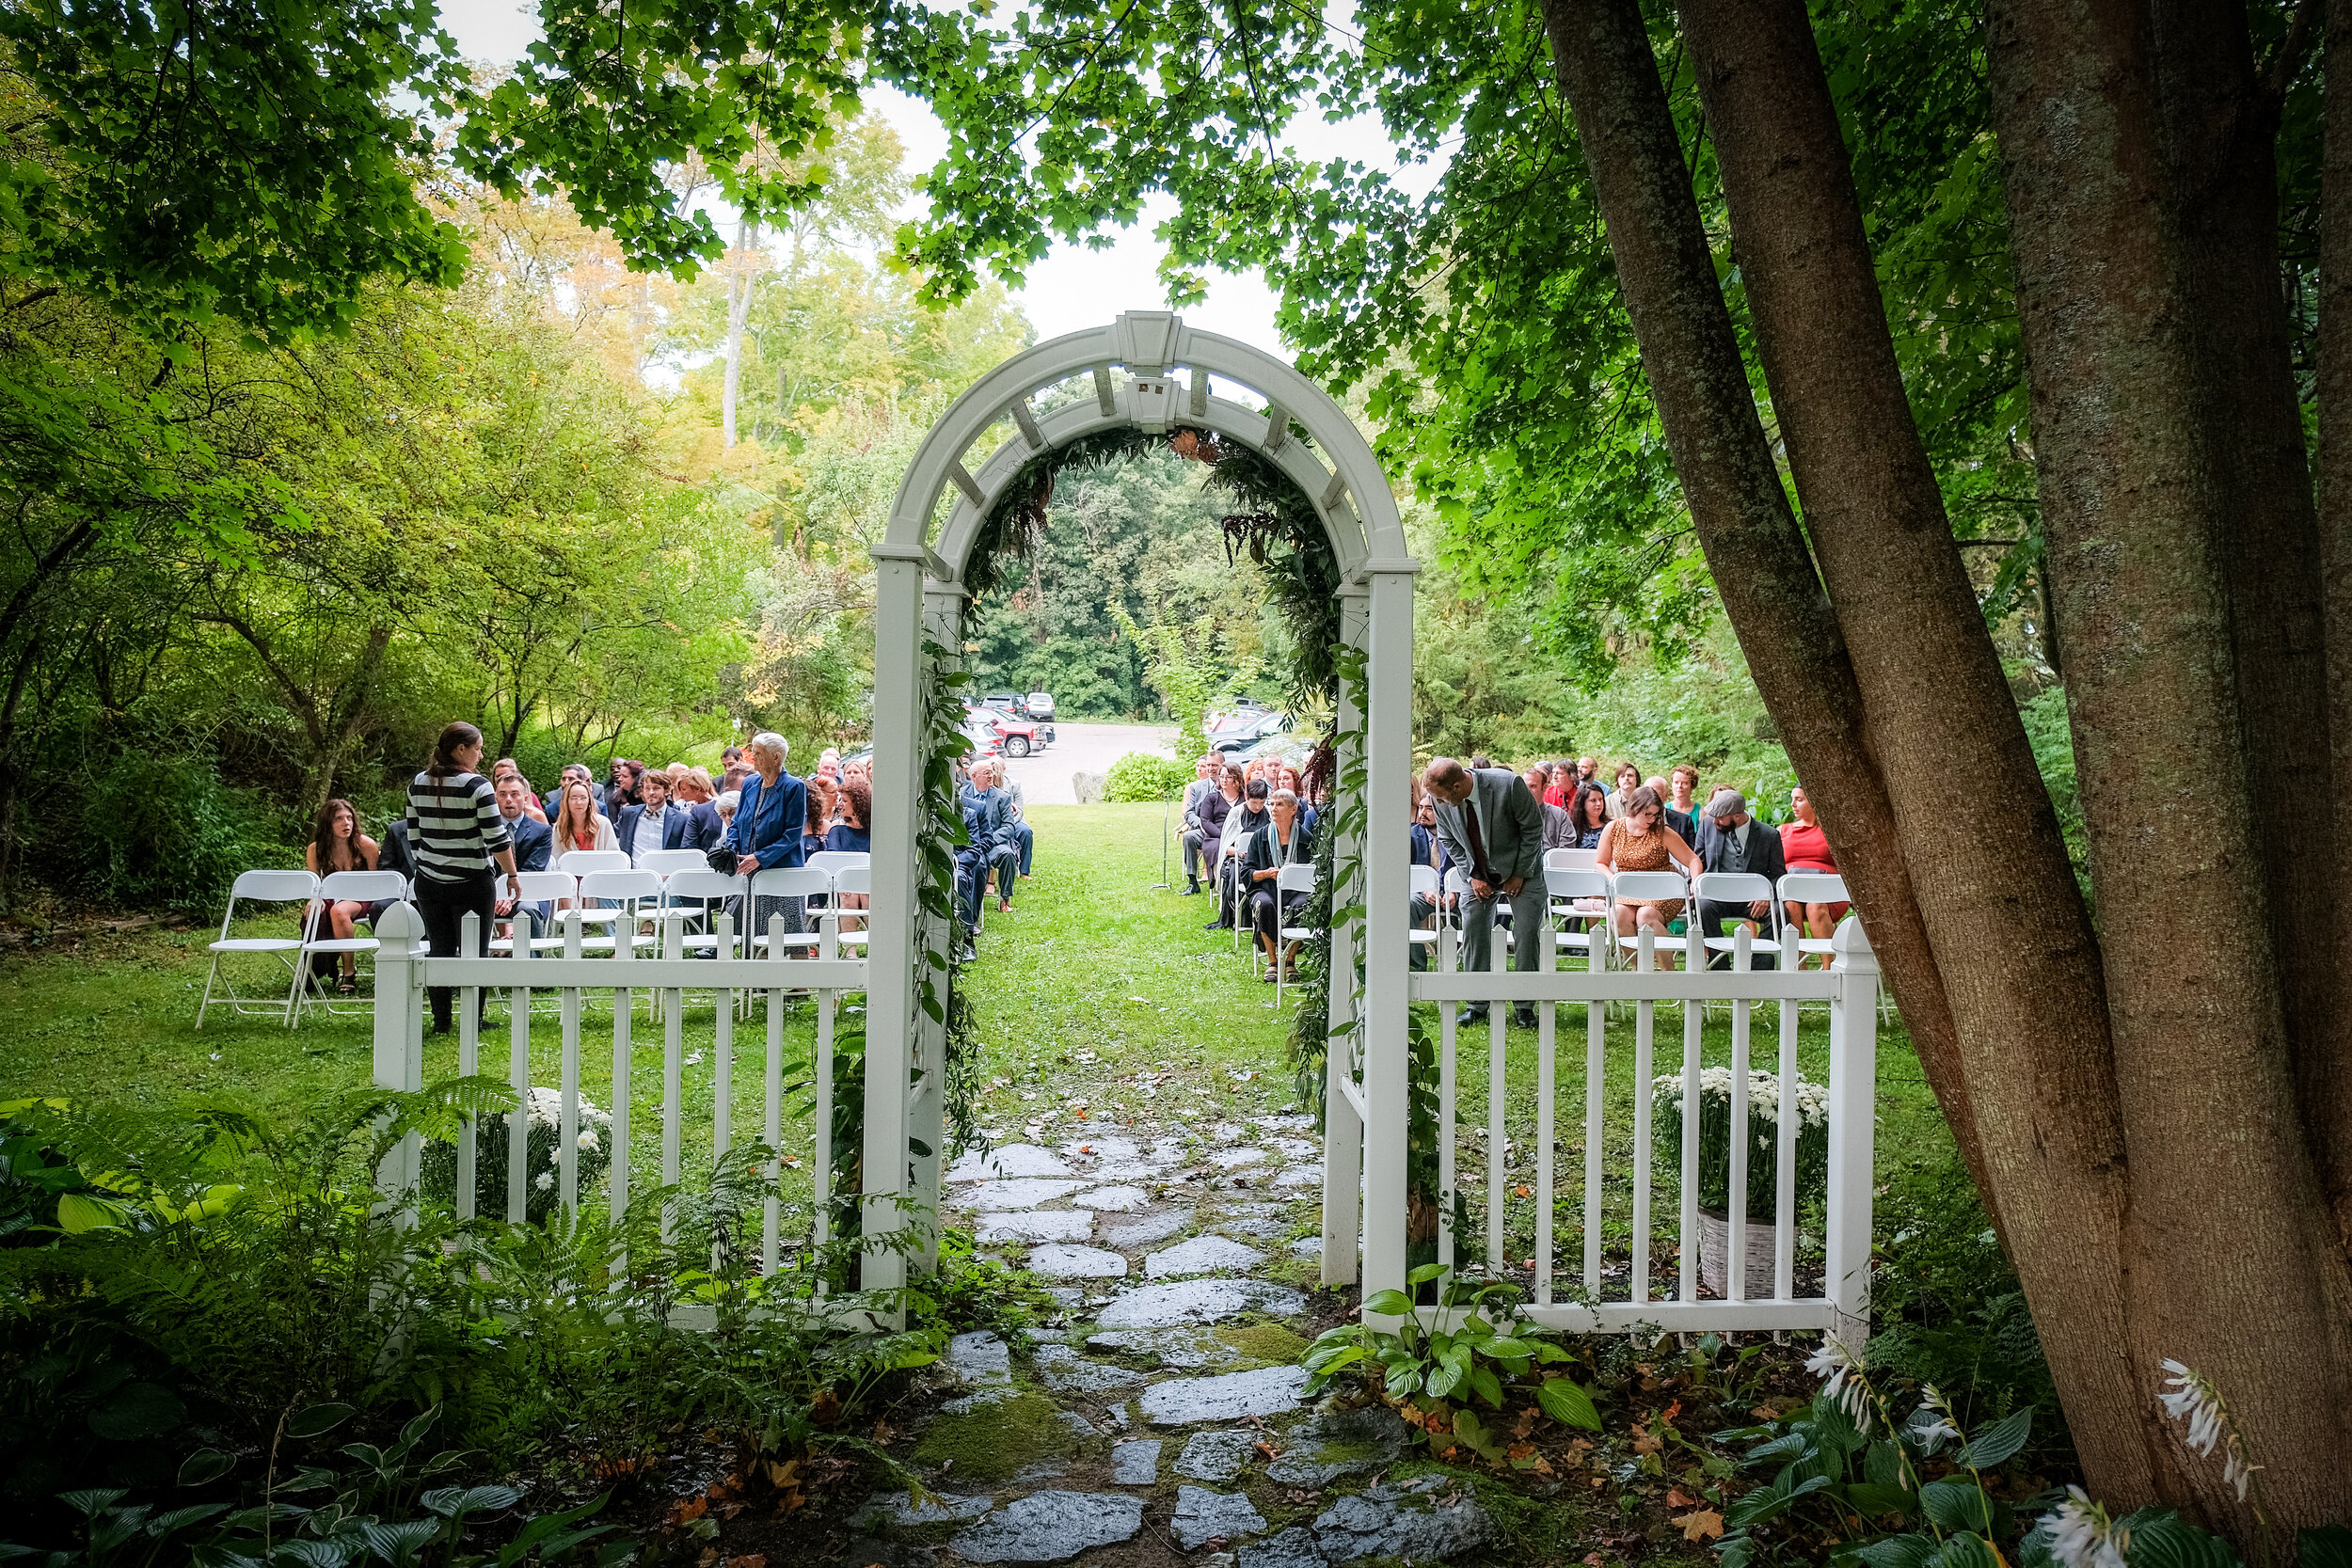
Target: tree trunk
x,y
2228,1255
2011,939
1753,547
738,308
2328,1093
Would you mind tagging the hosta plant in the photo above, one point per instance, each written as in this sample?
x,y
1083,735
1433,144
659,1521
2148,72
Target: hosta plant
x,y
1472,1352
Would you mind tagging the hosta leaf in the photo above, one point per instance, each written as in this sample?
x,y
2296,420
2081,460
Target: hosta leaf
x,y
1997,1444
318,1420
1567,1405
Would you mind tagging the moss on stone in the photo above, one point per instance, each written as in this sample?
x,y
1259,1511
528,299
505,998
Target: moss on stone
x,y
992,1441
1264,1342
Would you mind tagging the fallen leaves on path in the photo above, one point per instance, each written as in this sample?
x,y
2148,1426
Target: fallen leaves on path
x,y
1705,1525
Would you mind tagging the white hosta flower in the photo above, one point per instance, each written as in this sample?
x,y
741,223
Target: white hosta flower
x,y
2191,1395
2081,1534
1844,1386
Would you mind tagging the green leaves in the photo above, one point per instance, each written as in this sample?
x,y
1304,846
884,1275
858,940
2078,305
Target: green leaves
x,y
317,1419
137,1410
1567,1403
1997,1445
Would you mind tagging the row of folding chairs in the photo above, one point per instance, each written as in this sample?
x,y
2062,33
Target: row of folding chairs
x,y
602,883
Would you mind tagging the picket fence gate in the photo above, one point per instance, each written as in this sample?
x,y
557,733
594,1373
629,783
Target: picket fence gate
x,y
1597,1301
402,973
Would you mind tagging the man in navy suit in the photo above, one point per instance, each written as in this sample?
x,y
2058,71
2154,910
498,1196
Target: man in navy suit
x,y
531,838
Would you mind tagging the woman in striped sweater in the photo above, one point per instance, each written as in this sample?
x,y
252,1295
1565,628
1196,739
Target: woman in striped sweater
x,y
454,831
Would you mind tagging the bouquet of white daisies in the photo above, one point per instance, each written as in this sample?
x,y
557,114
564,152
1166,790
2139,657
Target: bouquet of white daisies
x,y
541,1158
1763,1137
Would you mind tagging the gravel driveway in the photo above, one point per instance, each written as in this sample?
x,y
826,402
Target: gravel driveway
x,y
1044,778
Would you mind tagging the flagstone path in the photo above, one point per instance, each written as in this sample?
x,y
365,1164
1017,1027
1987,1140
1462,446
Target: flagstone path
x,y
1158,1416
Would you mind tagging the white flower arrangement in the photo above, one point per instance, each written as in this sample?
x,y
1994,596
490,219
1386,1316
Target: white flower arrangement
x,y
543,1110
1763,1132
1763,1094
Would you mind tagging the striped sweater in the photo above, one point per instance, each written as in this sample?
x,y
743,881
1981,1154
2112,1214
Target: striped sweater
x,y
454,826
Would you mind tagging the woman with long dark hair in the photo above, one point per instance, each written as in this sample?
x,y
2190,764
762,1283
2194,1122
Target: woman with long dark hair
x,y
337,845
1588,813
454,831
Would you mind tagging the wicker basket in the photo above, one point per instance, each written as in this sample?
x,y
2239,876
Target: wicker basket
x,y
1762,1241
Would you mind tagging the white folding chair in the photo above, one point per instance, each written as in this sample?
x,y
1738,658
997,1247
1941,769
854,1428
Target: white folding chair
x,y
582,864
539,887
696,887
260,887
833,861
625,891
853,879
1738,887
1425,886
1571,860
1564,887
783,881
1811,887
365,887
668,862
1288,879
1644,887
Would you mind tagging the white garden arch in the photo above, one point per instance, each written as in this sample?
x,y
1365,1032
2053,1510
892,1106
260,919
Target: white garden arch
x,y
1152,373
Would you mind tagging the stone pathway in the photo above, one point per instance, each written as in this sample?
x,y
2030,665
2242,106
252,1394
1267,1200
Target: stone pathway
x,y
1158,1418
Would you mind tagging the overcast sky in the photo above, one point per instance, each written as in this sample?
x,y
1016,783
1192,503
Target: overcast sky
x,y
1074,288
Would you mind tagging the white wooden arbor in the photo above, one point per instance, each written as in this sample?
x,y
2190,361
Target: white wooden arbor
x,y
1150,371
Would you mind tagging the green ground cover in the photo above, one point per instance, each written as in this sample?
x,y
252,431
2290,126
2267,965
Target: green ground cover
x,y
1100,1000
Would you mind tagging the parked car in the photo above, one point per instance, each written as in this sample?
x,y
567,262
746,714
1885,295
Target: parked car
x,y
1009,701
1236,732
1041,706
1013,737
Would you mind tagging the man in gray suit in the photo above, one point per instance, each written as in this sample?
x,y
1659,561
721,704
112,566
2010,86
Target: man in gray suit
x,y
1494,831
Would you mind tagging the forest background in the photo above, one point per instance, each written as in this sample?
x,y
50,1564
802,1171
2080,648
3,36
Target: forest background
x,y
605,512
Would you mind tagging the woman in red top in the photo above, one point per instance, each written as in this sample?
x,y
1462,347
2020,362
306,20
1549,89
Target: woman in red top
x,y
1805,847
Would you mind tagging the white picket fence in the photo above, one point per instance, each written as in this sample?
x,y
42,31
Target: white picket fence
x,y
1604,1303
403,974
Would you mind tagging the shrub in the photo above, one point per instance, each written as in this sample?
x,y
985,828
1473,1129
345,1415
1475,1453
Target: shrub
x,y
1146,776
541,1159
151,830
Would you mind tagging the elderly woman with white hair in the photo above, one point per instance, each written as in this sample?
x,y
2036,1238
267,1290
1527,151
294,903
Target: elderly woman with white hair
x,y
766,833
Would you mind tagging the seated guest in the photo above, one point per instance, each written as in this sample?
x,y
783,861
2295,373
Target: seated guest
x,y
1285,840
337,845
1588,771
1682,783
1641,841
1244,820
850,833
1629,780
1023,835
578,825
731,756
1286,777
1203,785
555,797
725,805
1214,809
998,845
1804,847
620,791
1730,840
504,766
657,825
733,778
1560,782
820,810
1556,834
1680,822
1588,813
1429,852
530,839
829,762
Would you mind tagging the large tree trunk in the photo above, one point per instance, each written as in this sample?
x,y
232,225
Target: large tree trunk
x,y
2327,1082
2011,939
1753,547
2220,127
2227,1252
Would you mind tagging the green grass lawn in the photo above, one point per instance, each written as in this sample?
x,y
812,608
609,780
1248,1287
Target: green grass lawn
x,y
1101,1001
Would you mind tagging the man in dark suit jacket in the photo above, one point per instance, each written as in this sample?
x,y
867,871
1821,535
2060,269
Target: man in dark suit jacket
x,y
532,839
1491,828
1731,840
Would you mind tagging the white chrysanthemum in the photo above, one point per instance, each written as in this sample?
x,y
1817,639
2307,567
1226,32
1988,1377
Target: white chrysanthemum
x,y
545,1181
2081,1534
2191,1395
588,1140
